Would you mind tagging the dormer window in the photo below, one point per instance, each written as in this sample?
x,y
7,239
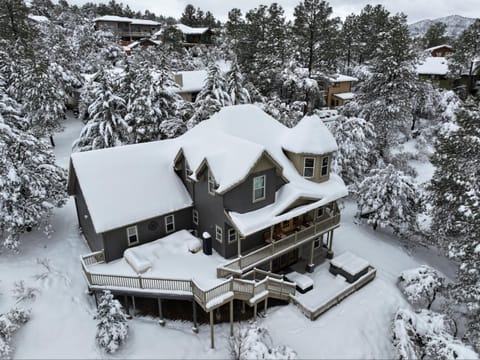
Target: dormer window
x,y
259,188
308,167
324,171
188,171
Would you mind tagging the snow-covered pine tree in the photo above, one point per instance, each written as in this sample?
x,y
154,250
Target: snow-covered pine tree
x,y
421,285
213,96
356,139
112,327
10,322
385,98
106,127
388,198
235,85
31,183
455,199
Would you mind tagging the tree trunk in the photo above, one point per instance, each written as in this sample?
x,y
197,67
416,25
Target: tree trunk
x,y
51,141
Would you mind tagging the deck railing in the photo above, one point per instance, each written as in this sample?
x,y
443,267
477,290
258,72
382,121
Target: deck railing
x,y
242,289
246,262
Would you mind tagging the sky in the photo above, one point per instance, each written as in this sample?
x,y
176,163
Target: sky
x,y
415,9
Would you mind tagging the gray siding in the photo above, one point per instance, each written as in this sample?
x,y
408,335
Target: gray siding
x,y
211,212
116,241
240,198
94,240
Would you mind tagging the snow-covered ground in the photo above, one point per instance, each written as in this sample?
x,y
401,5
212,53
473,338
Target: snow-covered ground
x,y
62,324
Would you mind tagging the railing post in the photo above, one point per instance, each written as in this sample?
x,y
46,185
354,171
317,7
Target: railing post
x,y
140,282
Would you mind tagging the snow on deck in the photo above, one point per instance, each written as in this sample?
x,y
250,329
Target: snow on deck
x,y
301,280
345,95
193,81
169,258
433,66
349,262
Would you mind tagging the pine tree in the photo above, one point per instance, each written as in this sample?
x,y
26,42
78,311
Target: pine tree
x,y
112,327
14,25
435,35
385,98
388,198
234,28
235,85
213,96
106,127
356,139
315,33
455,198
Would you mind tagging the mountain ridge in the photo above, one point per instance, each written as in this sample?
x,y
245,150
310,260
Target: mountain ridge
x,y
456,24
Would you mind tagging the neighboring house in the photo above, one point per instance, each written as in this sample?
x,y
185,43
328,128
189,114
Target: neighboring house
x,y
126,28
434,69
339,90
190,83
254,191
440,50
131,47
191,35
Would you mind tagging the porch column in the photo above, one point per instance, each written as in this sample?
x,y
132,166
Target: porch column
x,y
311,264
231,317
212,341
195,325
160,312
330,243
134,305
255,312
127,308
265,306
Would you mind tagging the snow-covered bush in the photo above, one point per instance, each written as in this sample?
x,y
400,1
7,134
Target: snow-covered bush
x,y
22,292
10,322
426,334
420,285
254,342
112,327
387,197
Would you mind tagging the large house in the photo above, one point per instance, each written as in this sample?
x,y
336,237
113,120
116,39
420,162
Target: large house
x,y
435,70
125,28
255,196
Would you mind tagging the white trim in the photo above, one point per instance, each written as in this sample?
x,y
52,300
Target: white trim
x,y
218,233
188,171
327,166
235,235
308,167
129,235
167,223
195,216
254,199
210,181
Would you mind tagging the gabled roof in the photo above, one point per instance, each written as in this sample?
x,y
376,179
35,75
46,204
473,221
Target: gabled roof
x,y
439,47
433,66
337,78
127,184
114,18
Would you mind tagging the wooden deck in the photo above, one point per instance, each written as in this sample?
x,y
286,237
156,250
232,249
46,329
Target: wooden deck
x,y
208,299
242,264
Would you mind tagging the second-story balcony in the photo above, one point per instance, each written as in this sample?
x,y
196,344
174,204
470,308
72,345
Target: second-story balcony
x,y
281,239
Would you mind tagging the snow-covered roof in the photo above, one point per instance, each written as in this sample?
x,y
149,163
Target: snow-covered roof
x,y
433,66
127,184
114,18
439,47
345,95
336,78
192,80
39,18
116,181
191,30
314,135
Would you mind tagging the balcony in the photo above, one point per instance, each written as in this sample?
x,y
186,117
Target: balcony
x,y
281,243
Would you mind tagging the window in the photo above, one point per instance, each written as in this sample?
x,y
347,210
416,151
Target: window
x,y
324,171
317,243
285,224
169,223
132,235
320,212
259,188
188,171
195,216
211,183
308,167
218,233
232,235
